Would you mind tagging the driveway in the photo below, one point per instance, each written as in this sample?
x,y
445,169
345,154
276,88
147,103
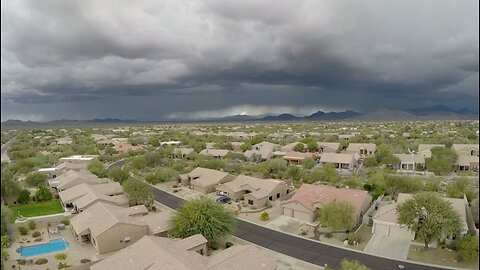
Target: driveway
x,y
388,246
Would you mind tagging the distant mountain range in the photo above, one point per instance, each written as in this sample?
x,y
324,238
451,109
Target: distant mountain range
x,y
439,112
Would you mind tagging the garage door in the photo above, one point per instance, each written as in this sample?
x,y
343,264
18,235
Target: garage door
x,y
399,232
381,229
287,212
302,215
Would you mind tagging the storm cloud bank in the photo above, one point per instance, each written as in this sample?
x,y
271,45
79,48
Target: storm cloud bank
x,y
155,60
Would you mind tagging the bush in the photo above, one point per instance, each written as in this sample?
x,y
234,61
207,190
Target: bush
x,y
21,262
468,248
32,225
85,261
60,256
264,216
328,235
62,265
38,239
65,221
23,230
36,234
354,237
23,197
214,245
41,261
228,244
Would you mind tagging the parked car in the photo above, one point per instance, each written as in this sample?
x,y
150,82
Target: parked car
x,y
223,199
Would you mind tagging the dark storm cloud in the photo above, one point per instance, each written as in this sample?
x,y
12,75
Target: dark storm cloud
x,y
139,58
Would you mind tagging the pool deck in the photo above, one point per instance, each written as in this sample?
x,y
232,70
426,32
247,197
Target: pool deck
x,y
76,251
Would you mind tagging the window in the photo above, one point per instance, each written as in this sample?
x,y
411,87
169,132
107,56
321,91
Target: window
x,y
278,195
288,191
250,202
270,198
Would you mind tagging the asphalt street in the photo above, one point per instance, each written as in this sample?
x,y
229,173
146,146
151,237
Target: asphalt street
x,y
300,248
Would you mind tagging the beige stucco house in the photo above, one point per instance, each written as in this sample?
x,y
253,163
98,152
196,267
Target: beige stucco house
x,y
328,147
72,178
110,228
410,162
215,153
362,149
253,191
296,158
385,220
306,201
157,253
466,149
466,163
340,160
204,180
80,197
426,149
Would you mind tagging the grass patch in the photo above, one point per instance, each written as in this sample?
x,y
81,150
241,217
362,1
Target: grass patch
x,y
36,209
439,256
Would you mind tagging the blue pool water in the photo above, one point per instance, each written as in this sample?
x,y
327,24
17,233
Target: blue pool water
x,y
52,246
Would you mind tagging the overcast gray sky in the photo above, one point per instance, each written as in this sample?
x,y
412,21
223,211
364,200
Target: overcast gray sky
x,y
170,59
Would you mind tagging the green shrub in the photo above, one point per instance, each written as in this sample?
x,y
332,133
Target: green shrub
x,y
228,244
60,256
36,234
32,225
21,262
23,230
85,261
328,235
214,245
65,221
62,265
354,237
41,261
264,216
468,248
38,239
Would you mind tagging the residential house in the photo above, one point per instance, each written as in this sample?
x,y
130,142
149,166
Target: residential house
x,y
49,172
363,149
410,162
340,160
264,150
158,253
466,163
426,149
73,178
289,147
297,157
345,137
64,141
110,227
385,221
253,191
306,201
126,147
80,197
466,149
215,153
204,180
328,147
182,152
70,166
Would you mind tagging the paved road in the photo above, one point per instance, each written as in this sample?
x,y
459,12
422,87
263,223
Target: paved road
x,y
119,164
303,249
4,156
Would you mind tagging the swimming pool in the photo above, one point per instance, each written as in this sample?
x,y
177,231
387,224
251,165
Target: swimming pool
x,y
52,246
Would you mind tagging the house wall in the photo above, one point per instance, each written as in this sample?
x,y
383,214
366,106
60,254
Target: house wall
x,y
110,240
296,210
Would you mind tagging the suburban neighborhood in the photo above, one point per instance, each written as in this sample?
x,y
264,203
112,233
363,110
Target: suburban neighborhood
x,y
101,205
